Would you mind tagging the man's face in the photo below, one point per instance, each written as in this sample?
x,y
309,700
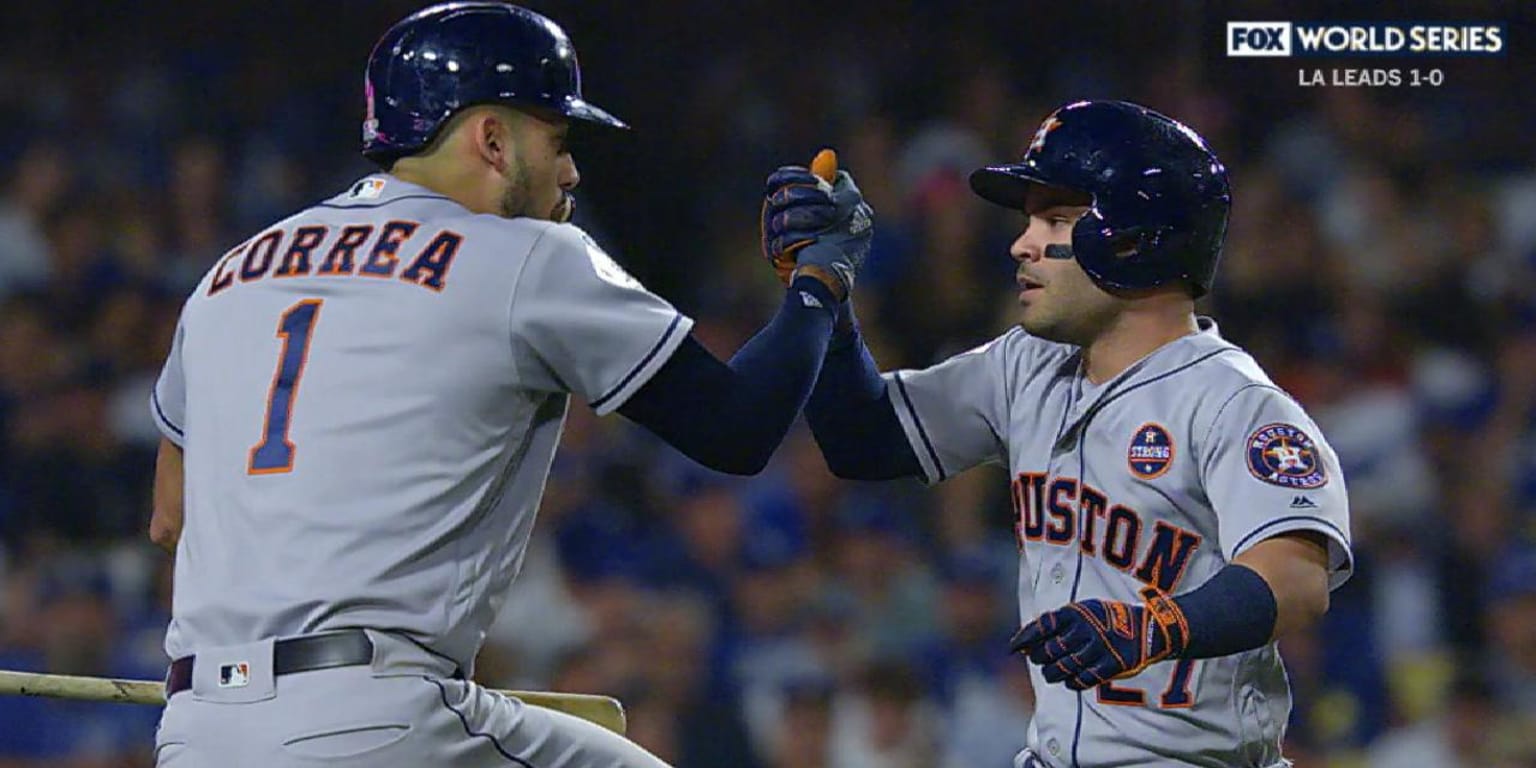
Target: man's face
x,y
1060,302
541,172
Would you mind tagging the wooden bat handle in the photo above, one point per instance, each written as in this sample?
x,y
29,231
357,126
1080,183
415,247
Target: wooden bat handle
x,y
824,165
603,710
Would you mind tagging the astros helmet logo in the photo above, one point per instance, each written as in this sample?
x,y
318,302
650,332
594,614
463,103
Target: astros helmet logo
x,y
1050,124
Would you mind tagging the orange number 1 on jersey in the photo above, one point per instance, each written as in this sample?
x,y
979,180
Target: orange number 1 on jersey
x,y
274,454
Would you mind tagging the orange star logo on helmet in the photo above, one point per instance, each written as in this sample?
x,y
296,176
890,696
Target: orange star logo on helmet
x,y
1050,124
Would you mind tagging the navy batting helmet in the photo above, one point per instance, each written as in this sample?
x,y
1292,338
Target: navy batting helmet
x,y
441,59
1160,196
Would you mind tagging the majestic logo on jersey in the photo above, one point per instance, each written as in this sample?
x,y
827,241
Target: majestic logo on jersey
x,y
1151,452
1283,455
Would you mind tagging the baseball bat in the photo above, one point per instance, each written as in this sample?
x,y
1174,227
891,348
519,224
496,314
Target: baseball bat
x,y
603,710
824,165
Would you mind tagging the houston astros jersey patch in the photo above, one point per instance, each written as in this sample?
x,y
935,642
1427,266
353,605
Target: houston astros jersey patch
x,y
1151,452
1283,455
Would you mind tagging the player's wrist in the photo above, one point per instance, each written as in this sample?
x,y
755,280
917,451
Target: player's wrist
x,y
845,329
812,276
1167,619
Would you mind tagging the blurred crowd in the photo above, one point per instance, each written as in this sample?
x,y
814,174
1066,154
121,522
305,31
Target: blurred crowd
x,y
1381,264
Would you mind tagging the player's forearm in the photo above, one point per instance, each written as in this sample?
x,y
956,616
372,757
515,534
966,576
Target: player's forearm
x,y
1232,612
166,519
1295,566
1277,587
731,417
851,415
777,367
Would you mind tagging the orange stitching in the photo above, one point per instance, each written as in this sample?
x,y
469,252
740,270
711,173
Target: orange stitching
x,y
1093,620
1085,669
1063,646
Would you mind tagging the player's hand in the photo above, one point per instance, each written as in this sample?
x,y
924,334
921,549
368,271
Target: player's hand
x,y
796,206
1095,641
809,222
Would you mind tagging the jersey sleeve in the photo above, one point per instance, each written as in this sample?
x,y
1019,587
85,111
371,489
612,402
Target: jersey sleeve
x,y
1268,470
954,413
168,399
581,324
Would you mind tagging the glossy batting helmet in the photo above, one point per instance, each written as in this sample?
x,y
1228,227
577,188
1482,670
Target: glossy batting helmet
x,y
442,59
1160,196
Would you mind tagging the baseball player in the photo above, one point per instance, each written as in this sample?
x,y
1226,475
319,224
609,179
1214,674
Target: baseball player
x,y
362,402
1176,511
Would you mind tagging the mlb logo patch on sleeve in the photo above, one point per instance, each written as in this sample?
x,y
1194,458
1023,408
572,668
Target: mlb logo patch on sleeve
x,y
1283,455
367,189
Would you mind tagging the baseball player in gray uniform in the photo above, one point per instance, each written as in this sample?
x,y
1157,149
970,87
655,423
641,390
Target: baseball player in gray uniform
x,y
362,402
1176,511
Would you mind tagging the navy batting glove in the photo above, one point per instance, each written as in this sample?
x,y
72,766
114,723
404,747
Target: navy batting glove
x,y
806,221
1091,642
796,206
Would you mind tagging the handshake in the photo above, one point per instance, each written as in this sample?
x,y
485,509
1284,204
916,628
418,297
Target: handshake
x,y
815,220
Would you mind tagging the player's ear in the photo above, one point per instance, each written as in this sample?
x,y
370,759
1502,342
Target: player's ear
x,y
492,132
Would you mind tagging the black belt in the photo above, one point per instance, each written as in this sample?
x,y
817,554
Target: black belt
x,y
346,648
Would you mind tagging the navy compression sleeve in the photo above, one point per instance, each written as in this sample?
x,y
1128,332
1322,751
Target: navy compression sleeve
x,y
1234,611
851,414
732,416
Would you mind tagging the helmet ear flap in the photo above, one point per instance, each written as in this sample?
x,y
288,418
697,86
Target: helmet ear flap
x,y
1118,257
1124,243
1093,243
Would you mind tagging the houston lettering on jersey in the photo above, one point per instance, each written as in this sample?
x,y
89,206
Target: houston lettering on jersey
x,y
1061,510
357,250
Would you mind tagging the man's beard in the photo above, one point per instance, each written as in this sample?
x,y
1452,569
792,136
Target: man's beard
x,y
565,209
517,198
1079,329
514,199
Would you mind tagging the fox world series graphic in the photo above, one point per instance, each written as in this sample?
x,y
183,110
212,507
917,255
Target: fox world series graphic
x,y
1418,42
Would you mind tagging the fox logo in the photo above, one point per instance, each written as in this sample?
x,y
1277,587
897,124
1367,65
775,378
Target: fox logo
x,y
1258,38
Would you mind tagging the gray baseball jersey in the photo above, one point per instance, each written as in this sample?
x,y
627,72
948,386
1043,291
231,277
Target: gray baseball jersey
x,y
1159,476
369,395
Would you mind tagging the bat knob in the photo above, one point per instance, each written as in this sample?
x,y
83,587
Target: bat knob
x,y
824,165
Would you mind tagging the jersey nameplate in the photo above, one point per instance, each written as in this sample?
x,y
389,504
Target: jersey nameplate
x,y
390,251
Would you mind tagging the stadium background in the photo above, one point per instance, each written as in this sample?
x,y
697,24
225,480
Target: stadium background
x,y
1380,265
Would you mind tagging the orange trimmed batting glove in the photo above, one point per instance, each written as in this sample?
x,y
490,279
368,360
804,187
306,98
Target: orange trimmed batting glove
x,y
796,205
808,221
1091,642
